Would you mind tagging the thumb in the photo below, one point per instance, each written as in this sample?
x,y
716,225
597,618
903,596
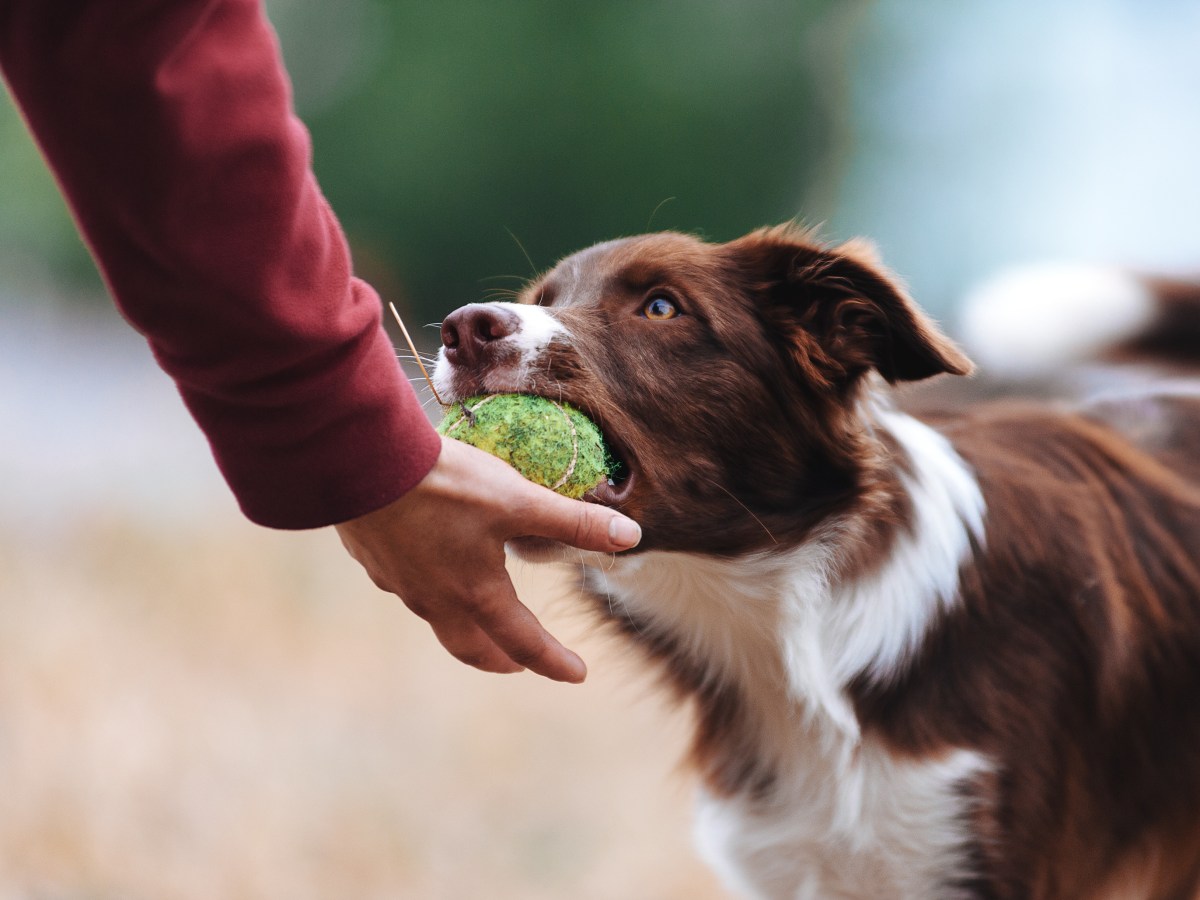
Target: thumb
x,y
587,526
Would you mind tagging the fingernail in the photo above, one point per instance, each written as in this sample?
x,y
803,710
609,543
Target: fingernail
x,y
624,532
578,666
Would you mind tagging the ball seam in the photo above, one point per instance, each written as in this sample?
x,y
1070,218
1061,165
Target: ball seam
x,y
574,447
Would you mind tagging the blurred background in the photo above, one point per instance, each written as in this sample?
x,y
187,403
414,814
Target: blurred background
x,y
194,707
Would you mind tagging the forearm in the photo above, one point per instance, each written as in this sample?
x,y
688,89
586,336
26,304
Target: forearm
x,y
169,127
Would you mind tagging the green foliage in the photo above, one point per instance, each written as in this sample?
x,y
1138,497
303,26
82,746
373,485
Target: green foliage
x,y
565,124
38,240
446,133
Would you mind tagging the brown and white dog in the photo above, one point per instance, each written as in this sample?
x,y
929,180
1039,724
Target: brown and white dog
x,y
950,656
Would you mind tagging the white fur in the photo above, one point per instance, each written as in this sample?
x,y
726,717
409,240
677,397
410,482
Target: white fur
x,y
880,826
537,329
895,605
846,818
725,614
1029,320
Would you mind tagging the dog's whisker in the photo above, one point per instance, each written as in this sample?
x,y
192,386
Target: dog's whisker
x,y
528,258
614,614
722,487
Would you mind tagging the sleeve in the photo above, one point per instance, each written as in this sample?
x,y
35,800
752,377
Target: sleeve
x,y
169,126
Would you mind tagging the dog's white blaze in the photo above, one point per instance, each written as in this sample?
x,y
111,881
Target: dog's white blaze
x,y
1034,319
537,329
846,819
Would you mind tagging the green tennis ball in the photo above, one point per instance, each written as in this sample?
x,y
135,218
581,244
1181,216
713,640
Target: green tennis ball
x,y
552,444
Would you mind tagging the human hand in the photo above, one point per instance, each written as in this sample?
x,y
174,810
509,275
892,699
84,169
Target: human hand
x,y
440,548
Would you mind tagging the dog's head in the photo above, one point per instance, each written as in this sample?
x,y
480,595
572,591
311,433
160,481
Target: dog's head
x,y
727,377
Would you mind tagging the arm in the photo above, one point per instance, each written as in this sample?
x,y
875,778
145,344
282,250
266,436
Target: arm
x,y
169,127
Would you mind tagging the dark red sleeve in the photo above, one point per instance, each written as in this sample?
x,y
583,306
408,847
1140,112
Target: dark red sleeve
x,y
169,127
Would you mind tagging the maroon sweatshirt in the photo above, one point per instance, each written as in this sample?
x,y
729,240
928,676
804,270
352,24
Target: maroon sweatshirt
x,y
169,126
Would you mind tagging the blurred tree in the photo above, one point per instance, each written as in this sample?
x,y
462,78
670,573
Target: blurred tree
x,y
39,246
441,129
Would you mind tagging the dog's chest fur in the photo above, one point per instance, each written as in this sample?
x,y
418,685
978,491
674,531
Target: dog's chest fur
x,y
798,801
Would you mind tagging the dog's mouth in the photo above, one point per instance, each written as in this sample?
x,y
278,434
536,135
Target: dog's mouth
x,y
617,488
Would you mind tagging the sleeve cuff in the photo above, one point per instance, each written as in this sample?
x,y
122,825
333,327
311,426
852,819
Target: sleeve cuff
x,y
357,444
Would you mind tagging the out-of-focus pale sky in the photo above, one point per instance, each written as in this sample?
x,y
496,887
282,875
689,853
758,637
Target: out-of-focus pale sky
x,y
996,132
90,426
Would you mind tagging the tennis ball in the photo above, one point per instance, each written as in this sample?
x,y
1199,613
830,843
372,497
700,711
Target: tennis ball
x,y
552,444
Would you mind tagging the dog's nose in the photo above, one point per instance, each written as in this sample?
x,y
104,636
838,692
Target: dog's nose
x,y
470,332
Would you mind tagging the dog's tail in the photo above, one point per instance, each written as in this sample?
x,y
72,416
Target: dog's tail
x,y
1033,321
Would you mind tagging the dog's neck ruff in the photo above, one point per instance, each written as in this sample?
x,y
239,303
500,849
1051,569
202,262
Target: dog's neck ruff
x,y
870,625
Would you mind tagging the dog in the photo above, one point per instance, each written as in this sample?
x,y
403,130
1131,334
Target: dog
x,y
945,654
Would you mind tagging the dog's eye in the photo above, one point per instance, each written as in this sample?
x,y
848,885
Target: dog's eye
x,y
658,309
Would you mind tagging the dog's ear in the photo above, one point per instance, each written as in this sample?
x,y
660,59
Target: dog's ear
x,y
840,311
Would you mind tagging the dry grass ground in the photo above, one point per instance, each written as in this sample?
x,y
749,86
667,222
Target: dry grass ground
x,y
227,712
